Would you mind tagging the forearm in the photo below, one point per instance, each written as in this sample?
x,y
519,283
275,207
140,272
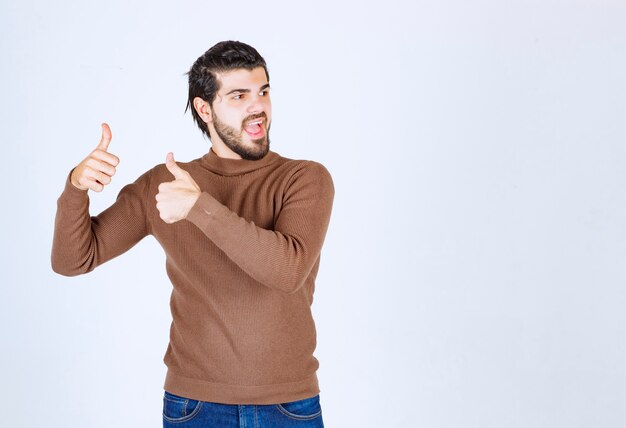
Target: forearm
x,y
72,245
281,258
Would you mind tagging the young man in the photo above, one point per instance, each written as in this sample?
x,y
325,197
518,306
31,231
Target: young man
x,y
242,228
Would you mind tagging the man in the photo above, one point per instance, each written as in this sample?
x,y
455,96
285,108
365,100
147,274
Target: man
x,y
242,228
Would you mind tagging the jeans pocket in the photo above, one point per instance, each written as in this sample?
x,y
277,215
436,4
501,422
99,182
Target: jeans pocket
x,y
179,409
306,409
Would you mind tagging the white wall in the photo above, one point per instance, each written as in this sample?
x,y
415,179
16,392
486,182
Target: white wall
x,y
473,273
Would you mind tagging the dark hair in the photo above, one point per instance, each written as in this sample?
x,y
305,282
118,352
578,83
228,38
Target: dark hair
x,y
224,56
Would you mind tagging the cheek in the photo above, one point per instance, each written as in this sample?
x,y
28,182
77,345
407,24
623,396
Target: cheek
x,y
230,118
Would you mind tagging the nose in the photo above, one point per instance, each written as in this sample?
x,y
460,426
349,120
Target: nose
x,y
256,105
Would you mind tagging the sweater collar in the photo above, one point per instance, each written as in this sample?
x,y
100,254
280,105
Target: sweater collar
x,y
226,166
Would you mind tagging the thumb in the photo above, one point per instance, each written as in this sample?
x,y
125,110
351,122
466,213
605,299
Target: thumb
x,y
173,167
106,137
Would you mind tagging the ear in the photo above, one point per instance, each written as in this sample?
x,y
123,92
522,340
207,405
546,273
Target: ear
x,y
203,109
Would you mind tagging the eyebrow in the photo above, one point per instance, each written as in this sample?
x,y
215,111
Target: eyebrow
x,y
244,91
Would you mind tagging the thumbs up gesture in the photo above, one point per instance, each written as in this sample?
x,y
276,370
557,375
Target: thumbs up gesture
x,y
175,198
96,170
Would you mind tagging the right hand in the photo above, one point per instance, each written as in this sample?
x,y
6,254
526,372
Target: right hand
x,y
96,170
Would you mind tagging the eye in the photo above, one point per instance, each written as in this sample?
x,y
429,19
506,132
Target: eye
x,y
238,97
264,92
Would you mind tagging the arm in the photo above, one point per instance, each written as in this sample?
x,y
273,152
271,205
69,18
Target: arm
x,y
81,243
281,258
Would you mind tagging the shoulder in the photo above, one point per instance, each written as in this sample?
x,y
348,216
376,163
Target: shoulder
x,y
304,173
300,167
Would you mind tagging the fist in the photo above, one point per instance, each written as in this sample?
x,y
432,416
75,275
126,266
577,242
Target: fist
x,y
96,170
175,198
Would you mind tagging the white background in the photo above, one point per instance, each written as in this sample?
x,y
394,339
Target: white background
x,y
473,273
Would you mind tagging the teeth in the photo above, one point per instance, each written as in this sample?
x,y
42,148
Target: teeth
x,y
255,123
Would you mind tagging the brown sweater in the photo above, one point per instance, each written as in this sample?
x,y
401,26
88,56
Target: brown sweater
x,y
242,264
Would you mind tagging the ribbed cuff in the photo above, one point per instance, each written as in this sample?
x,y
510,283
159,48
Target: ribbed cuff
x,y
202,212
72,196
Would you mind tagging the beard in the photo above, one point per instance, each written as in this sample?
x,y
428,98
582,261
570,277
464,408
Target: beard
x,y
234,139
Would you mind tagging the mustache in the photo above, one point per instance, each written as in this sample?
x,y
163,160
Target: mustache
x,y
254,116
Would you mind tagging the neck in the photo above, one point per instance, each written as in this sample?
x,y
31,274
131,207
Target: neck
x,y
227,166
220,149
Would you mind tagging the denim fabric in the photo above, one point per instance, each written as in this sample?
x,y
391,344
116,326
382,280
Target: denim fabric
x,y
180,412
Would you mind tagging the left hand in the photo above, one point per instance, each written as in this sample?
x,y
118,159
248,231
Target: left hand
x,y
175,198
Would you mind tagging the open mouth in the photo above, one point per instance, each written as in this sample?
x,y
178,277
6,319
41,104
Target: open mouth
x,y
254,128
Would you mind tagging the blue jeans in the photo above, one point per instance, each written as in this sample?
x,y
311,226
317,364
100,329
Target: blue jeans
x,y
180,412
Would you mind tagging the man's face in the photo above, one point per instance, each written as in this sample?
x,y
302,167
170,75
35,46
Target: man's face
x,y
241,112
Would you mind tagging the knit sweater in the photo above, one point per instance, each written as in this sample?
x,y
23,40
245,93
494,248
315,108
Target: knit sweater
x,y
242,265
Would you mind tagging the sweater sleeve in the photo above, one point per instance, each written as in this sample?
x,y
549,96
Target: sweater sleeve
x,y
81,242
281,258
